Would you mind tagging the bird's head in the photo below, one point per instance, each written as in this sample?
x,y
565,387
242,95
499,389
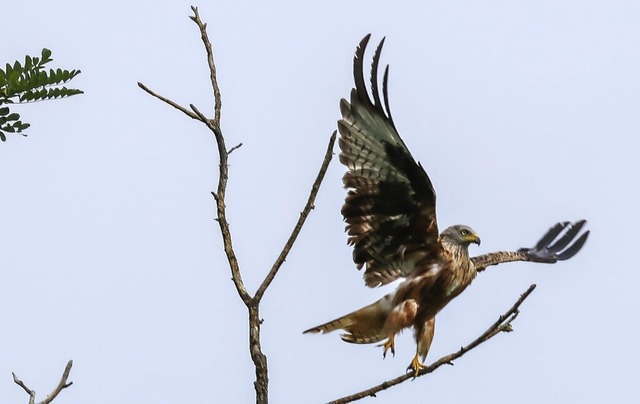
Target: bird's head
x,y
460,235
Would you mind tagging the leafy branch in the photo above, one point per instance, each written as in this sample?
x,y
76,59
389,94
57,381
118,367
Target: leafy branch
x,y
30,82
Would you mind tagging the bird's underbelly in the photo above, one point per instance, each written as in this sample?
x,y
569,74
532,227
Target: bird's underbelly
x,y
431,301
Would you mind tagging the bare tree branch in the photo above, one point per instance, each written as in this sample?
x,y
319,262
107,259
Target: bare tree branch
x,y
31,393
303,216
260,360
61,386
252,303
503,324
221,209
219,196
168,101
212,66
231,150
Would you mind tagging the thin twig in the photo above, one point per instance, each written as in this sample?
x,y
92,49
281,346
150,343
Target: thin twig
x,y
303,216
212,66
503,324
199,114
170,102
31,393
61,386
239,145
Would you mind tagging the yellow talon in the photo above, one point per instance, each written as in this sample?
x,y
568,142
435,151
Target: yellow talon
x,y
416,366
389,345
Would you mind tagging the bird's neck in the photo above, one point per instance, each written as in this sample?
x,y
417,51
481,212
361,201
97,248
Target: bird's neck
x,y
462,272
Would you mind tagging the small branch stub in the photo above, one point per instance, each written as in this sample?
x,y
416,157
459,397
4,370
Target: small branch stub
x,y
239,145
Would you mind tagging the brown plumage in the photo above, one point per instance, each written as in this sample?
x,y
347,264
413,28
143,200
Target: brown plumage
x,y
390,211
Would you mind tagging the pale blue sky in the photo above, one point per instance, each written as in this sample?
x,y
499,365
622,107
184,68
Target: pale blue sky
x,y
523,114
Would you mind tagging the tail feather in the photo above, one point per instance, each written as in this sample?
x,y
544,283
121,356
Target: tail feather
x,y
363,326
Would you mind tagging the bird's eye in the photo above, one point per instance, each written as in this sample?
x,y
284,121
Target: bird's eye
x,y
464,232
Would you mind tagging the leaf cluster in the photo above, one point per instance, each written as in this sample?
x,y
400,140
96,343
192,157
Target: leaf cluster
x,y
30,82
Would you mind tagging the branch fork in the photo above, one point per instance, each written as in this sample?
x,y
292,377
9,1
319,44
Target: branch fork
x,y
61,386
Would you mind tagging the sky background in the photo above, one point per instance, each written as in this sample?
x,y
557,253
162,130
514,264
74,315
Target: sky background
x,y
522,113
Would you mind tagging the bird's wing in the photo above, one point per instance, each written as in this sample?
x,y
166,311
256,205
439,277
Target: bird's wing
x,y
558,244
390,208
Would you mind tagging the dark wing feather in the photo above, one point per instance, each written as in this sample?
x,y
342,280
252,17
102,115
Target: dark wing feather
x,y
390,204
558,244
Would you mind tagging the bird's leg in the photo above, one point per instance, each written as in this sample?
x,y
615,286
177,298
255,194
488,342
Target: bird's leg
x,y
400,317
389,344
416,365
424,336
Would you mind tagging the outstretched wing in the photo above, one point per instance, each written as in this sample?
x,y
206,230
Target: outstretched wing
x,y
558,244
390,208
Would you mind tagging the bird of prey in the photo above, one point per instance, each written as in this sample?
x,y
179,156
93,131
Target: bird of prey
x,y
390,211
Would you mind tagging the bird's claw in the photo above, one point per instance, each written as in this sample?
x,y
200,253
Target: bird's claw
x,y
388,345
415,366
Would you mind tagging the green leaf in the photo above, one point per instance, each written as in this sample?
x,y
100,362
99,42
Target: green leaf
x,y
42,78
4,111
19,126
46,56
71,91
13,117
33,80
26,96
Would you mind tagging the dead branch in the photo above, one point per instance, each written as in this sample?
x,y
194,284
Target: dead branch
x,y
252,302
303,216
212,66
61,386
170,102
503,324
236,147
